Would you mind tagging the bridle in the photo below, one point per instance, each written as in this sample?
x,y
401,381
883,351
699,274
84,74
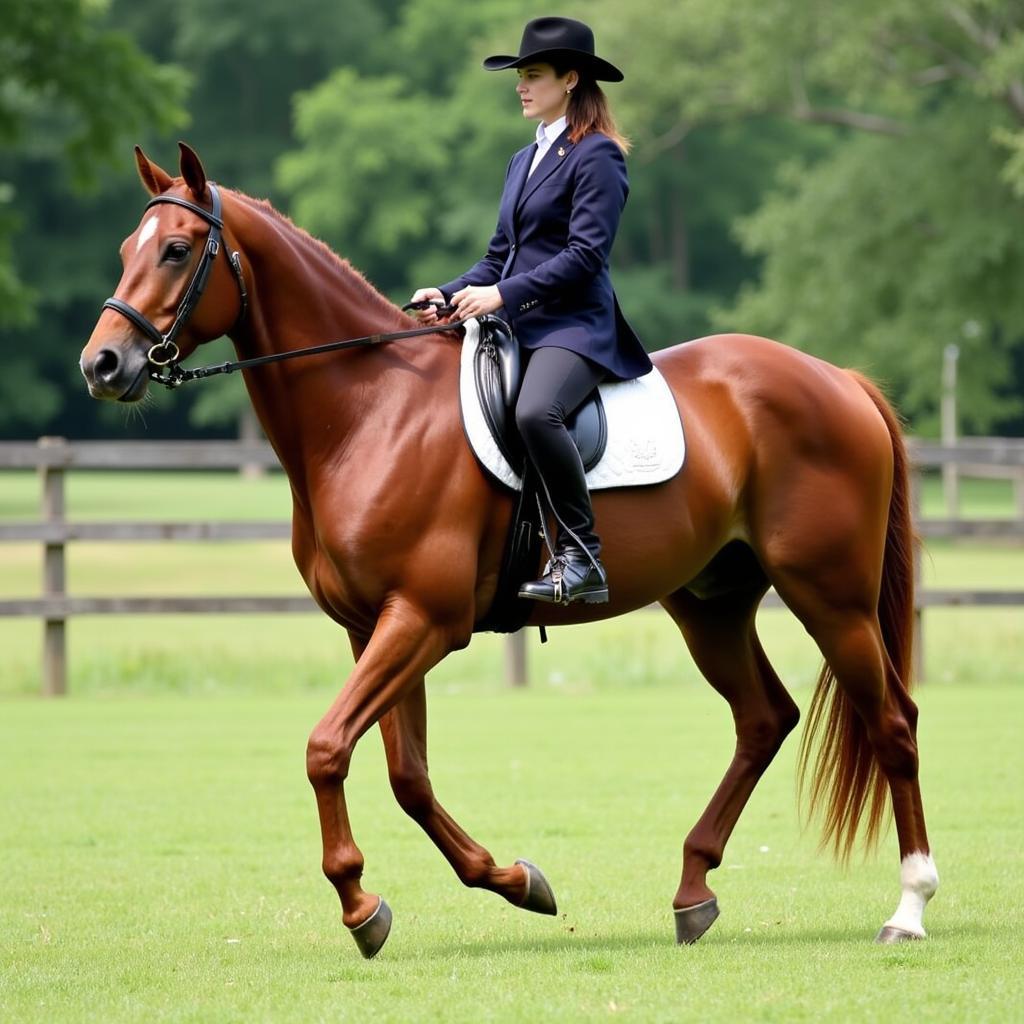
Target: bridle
x,y
165,351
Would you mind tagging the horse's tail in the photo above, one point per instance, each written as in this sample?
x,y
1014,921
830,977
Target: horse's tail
x,y
846,780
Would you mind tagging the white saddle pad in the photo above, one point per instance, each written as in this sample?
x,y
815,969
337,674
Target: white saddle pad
x,y
645,433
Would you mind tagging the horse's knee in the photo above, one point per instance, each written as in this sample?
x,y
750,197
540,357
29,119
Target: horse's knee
x,y
413,792
327,759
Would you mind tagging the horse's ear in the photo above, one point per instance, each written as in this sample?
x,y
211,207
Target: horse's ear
x,y
192,171
155,178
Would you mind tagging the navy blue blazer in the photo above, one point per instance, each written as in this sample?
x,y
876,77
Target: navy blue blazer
x,y
549,253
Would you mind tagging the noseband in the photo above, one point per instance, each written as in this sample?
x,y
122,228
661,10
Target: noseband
x,y
164,350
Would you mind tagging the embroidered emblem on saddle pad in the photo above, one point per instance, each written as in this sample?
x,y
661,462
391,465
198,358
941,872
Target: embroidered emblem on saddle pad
x,y
644,434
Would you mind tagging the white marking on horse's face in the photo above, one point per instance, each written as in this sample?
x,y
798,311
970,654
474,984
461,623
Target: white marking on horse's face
x,y
147,232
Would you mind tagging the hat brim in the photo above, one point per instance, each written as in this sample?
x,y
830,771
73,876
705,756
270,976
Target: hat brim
x,y
597,67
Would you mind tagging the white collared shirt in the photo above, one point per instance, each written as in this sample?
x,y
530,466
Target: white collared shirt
x,y
546,134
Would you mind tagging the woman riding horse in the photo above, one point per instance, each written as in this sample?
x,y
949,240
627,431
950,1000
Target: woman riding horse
x,y
547,268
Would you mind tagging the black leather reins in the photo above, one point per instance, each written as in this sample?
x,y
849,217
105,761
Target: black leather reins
x,y
176,376
164,353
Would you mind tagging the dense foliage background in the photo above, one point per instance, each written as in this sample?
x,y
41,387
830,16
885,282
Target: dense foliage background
x,y
848,178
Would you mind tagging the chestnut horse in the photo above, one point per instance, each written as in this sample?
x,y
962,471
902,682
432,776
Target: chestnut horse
x,y
795,477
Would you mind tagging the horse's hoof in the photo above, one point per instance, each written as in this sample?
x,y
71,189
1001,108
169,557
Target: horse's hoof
x,y
374,931
693,922
539,898
890,935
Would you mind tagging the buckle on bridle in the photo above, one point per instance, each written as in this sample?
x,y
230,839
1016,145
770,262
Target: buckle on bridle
x,y
167,346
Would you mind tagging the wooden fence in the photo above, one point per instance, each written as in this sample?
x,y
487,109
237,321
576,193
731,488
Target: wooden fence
x,y
53,457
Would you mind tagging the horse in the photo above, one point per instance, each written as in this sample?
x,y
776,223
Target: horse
x,y
796,477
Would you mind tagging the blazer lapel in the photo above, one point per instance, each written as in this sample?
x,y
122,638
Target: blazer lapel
x,y
557,152
516,180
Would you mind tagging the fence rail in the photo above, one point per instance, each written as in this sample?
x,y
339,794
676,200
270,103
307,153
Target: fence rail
x,y
53,457
969,451
62,532
56,453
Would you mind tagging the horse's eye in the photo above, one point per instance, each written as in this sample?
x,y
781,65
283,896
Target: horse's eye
x,y
176,252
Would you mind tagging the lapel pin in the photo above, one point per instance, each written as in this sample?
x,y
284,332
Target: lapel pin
x,y
561,151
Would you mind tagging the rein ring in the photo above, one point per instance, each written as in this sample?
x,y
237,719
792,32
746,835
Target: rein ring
x,y
168,346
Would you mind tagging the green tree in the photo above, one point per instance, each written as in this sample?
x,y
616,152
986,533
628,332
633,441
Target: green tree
x,y
71,91
401,170
247,60
244,62
904,238
891,249
360,183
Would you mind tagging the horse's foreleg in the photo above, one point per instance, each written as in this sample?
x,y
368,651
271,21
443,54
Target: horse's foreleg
x,y
404,729
404,645
721,637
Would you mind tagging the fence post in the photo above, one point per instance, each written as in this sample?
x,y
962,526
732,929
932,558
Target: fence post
x,y
54,638
515,659
250,432
950,470
917,664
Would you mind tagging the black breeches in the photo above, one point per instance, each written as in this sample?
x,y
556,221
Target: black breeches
x,y
555,385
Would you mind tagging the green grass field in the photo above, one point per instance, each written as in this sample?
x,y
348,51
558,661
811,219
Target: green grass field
x,y
161,854
162,864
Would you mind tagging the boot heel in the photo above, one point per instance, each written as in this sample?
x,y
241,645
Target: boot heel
x,y
595,596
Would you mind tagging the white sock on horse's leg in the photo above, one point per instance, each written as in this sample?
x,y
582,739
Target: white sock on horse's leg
x,y
919,880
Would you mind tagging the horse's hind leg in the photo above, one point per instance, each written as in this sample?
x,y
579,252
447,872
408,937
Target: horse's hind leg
x,y
848,577
879,730
404,729
720,634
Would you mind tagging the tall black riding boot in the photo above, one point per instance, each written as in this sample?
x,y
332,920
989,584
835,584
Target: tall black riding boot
x,y
556,383
574,571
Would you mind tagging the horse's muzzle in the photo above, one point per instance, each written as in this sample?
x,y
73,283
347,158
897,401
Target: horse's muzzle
x,y
116,372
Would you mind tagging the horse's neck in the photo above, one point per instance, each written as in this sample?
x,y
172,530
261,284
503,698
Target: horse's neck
x,y
313,408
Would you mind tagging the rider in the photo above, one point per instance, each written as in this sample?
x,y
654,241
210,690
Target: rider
x,y
547,265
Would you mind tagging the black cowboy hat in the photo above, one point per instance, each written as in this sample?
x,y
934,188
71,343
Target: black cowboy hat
x,y
544,38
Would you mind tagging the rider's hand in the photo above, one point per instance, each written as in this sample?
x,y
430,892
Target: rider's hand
x,y
428,315
477,300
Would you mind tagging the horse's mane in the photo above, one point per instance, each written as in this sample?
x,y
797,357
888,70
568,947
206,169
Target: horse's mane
x,y
369,296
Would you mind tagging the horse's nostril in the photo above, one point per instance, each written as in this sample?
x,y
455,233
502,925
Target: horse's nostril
x,y
107,365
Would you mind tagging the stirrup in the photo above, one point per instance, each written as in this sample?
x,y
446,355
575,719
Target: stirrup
x,y
569,576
